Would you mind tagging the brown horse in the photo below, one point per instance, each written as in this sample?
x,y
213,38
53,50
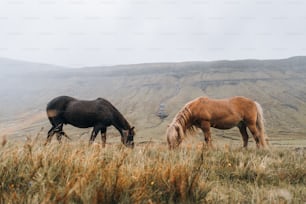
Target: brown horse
x,y
204,113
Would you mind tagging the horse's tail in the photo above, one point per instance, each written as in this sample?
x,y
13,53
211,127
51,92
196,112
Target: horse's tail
x,y
260,125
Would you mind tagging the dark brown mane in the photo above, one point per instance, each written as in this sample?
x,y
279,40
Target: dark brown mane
x,y
118,120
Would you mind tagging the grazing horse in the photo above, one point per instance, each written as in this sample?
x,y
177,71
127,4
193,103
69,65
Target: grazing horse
x,y
98,114
205,112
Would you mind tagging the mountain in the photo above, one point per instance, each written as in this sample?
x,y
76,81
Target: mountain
x,y
149,95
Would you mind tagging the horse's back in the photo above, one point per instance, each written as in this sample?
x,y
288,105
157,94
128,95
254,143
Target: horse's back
x,y
236,100
92,106
59,102
241,99
87,113
214,108
243,103
81,108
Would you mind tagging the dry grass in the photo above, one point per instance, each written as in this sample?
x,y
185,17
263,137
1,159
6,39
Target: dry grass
x,y
77,173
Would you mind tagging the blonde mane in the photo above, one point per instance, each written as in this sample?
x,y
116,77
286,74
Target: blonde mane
x,y
182,121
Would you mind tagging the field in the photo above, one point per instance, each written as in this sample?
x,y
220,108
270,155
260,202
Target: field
x,y
149,96
74,172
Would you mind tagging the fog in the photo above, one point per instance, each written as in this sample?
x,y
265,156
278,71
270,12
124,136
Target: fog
x,y
78,33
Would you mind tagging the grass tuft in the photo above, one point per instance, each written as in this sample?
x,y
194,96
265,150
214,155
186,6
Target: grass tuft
x,y
77,173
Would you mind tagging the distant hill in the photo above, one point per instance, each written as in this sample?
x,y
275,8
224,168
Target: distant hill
x,y
149,95
18,67
20,82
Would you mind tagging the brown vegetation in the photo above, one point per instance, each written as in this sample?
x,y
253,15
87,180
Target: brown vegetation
x,y
77,173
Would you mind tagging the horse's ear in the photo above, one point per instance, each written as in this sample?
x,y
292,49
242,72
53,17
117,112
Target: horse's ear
x,y
132,128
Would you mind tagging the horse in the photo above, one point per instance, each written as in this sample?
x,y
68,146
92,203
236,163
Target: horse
x,y
98,114
204,113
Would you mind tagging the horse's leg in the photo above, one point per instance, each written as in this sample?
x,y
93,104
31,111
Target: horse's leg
x,y
205,126
255,132
94,133
55,129
207,135
59,137
59,132
244,134
51,132
65,135
103,136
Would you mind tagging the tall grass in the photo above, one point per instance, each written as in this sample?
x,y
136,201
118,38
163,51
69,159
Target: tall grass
x,y
77,173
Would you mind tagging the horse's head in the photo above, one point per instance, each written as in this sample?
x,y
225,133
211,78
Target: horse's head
x,y
173,135
128,137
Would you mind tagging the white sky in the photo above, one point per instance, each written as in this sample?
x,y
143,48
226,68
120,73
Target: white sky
x,y
106,32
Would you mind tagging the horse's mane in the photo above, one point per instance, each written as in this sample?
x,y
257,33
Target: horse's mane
x,y
182,121
118,118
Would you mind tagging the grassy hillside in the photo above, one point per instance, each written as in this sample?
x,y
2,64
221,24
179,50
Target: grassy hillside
x,y
142,91
75,173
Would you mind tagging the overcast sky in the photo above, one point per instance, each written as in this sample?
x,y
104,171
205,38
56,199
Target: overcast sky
x,y
79,33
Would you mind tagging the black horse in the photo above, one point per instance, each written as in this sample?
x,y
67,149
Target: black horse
x,y
98,114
